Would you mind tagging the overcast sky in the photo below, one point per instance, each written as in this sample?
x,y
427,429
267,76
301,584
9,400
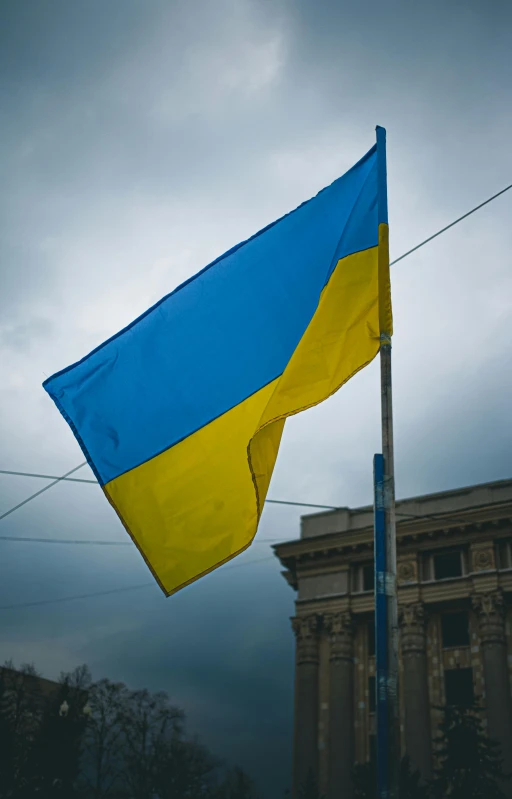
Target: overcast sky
x,y
142,138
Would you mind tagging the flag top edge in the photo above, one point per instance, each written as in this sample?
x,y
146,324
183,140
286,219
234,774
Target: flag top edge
x,y
191,279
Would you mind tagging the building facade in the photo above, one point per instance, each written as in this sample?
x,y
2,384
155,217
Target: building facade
x,y
454,574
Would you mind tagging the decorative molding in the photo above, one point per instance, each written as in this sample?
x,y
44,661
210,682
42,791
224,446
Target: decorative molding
x,y
412,615
482,557
306,629
407,571
490,609
489,605
412,621
340,627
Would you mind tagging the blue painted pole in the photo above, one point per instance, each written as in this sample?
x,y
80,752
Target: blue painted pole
x,y
381,642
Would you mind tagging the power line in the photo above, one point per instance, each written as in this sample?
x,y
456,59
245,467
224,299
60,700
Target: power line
x,y
65,479
301,504
90,542
83,541
51,476
279,502
60,600
443,230
26,539
36,603
38,493
260,542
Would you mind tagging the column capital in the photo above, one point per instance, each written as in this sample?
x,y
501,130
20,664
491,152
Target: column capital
x,y
306,630
412,620
490,609
340,627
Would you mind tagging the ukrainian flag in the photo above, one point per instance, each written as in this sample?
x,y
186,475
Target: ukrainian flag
x,y
180,415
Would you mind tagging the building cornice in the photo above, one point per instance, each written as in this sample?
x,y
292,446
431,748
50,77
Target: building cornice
x,y
329,552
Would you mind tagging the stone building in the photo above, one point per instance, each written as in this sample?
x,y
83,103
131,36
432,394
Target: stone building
x,y
454,575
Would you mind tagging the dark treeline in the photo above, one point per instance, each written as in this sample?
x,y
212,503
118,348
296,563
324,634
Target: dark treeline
x,y
80,739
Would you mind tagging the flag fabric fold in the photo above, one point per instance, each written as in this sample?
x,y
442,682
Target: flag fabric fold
x,y
180,415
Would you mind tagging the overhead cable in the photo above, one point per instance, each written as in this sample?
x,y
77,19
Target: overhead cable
x,y
60,600
400,258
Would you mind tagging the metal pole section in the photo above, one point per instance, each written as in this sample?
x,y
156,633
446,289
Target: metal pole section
x,y
381,641
386,506
390,578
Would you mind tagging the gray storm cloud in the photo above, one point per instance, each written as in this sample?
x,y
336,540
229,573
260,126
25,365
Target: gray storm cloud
x,y
139,142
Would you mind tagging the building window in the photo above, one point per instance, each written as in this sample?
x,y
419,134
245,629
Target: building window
x,y
364,577
447,564
368,577
372,697
443,565
370,629
505,554
458,687
454,629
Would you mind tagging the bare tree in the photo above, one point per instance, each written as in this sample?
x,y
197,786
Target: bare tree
x,y
101,741
104,741
21,708
185,770
77,682
149,723
237,785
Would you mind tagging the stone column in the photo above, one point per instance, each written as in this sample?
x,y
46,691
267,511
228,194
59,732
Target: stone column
x,y
490,608
341,705
418,737
305,755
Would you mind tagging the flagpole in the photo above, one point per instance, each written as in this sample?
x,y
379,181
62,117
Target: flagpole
x,y
388,496
388,728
